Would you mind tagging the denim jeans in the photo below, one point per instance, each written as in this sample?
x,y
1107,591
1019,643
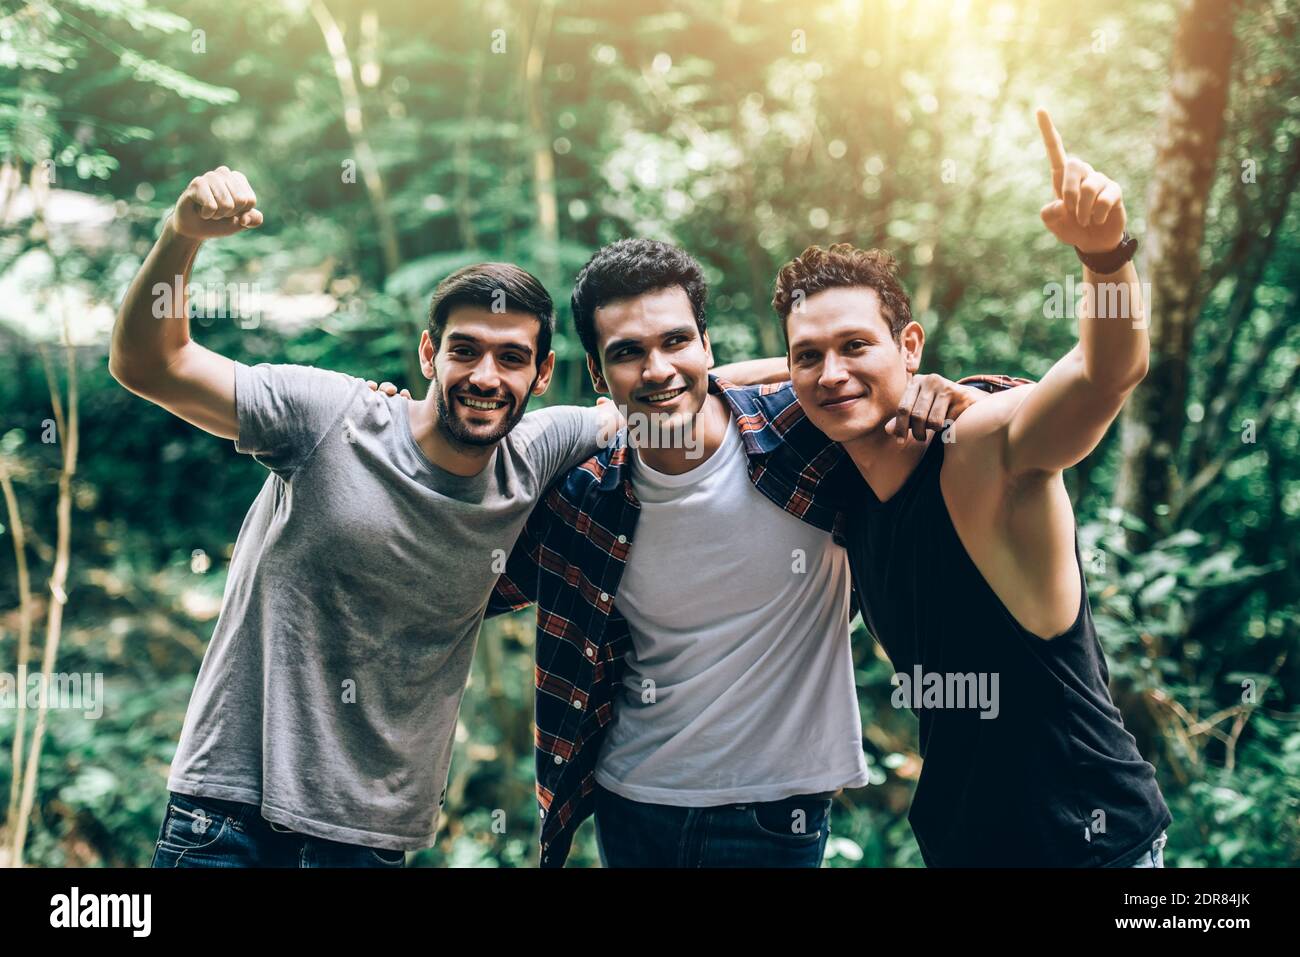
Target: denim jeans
x,y
206,832
788,833
1155,855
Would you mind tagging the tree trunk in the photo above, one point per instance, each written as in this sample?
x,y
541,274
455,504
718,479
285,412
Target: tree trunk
x,y
69,431
24,628
1191,125
543,160
371,175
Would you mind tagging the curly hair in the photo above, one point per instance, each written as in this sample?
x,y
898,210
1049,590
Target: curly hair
x,y
843,265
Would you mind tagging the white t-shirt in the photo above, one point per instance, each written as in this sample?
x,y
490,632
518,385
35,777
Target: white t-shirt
x,y
739,683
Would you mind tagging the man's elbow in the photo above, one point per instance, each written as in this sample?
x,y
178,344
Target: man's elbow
x,y
1120,380
1143,366
133,375
118,367
127,375
1138,371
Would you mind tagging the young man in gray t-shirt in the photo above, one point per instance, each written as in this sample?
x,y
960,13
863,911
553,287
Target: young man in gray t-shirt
x,y
321,726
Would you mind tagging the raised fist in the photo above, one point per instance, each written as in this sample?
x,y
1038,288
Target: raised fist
x,y
218,203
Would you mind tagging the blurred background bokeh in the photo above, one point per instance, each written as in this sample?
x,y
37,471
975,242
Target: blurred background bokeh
x,y
390,142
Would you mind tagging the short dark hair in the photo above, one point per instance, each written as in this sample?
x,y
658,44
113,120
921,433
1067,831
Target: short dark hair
x,y
495,286
632,267
843,265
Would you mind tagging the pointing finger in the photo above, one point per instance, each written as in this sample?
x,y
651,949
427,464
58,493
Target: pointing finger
x,y
1051,140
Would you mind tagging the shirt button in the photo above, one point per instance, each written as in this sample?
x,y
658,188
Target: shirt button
x,y
577,704
622,539
559,760
604,596
591,652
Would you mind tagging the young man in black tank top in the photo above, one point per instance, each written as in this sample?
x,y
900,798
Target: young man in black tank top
x,y
1026,759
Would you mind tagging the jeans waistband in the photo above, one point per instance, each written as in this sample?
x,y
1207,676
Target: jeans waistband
x,y
192,803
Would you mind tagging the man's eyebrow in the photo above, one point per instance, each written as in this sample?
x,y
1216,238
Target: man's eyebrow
x,y
619,343
839,336
679,331
466,337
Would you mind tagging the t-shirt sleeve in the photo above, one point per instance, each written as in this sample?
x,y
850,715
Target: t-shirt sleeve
x,y
561,437
285,410
517,587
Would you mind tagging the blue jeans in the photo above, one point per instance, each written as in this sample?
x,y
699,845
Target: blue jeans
x,y
1155,855
788,833
206,832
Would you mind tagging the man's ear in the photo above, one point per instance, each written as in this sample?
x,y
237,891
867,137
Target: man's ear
x,y
543,380
708,349
428,349
597,377
911,342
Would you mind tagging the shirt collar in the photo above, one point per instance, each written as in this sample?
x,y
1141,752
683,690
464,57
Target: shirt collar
x,y
742,402
753,408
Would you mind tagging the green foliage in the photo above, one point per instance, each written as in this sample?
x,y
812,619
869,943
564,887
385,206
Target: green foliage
x,y
904,125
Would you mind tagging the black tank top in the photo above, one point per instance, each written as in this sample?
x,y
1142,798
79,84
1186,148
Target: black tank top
x,y
1054,779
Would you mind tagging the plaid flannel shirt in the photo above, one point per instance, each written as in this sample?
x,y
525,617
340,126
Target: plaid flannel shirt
x,y
570,559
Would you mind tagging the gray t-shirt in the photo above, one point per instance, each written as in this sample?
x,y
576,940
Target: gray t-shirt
x,y
329,692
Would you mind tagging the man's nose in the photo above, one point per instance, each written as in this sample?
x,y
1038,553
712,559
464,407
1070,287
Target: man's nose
x,y
833,373
486,377
657,367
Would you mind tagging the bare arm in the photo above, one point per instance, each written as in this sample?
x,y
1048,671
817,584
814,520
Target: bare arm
x,y
152,353
1063,418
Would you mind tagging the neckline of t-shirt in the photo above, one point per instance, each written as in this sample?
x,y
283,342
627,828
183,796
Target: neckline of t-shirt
x,y
643,472
442,479
872,503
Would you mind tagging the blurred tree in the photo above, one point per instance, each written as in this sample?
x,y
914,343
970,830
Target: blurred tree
x,y
1191,127
743,131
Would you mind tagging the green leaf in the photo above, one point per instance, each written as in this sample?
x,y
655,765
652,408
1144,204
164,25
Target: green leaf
x,y
183,85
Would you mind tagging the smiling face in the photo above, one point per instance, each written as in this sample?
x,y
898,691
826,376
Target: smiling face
x,y
653,359
483,371
848,372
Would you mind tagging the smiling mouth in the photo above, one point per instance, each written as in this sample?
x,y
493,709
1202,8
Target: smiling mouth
x,y
661,398
482,405
843,403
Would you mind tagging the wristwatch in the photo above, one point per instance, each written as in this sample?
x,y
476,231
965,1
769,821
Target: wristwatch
x,y
1113,261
